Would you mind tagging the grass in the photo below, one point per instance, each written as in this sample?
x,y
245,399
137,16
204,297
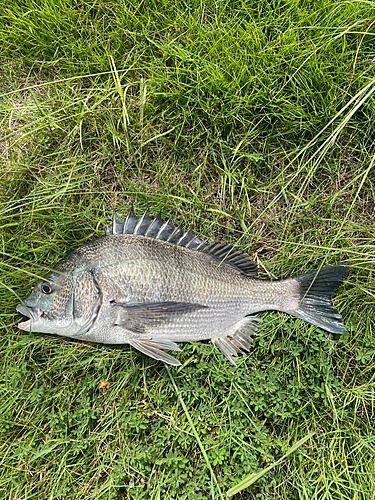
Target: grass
x,y
250,121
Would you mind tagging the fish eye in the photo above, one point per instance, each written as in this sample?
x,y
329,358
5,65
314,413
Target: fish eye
x,y
46,288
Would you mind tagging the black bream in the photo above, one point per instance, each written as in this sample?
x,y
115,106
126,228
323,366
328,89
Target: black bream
x,y
149,284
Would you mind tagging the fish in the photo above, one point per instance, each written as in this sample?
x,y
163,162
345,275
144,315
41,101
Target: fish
x,y
150,284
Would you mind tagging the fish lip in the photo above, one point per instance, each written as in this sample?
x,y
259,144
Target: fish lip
x,y
33,313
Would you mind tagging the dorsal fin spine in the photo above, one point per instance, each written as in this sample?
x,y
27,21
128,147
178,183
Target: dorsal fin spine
x,y
240,261
175,232
161,230
192,241
143,224
225,252
154,227
185,238
117,224
202,245
130,221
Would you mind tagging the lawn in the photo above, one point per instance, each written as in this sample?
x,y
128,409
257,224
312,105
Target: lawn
x,y
252,122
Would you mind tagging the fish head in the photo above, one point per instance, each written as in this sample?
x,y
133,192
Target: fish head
x,y
49,306
64,302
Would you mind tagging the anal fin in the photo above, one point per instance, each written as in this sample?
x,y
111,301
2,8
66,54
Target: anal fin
x,y
153,348
239,339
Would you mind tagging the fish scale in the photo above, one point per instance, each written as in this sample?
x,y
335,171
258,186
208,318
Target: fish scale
x,y
149,284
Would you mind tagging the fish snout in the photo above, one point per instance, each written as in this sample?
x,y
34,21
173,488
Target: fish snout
x,y
33,313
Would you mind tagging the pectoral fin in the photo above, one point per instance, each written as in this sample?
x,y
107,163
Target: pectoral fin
x,y
138,318
240,340
153,348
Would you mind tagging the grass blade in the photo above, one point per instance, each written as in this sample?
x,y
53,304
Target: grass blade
x,y
254,477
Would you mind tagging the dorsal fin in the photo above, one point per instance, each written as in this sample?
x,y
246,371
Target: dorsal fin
x,y
156,228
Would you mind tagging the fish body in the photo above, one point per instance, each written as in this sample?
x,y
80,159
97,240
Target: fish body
x,y
149,284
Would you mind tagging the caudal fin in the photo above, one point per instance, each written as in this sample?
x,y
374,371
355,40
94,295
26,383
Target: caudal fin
x,y
316,289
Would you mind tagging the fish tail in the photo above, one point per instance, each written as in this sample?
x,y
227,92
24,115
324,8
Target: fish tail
x,y
316,289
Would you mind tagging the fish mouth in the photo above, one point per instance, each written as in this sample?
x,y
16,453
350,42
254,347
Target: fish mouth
x,y
33,313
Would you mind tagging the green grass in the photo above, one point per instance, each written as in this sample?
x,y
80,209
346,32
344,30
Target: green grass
x,y
254,123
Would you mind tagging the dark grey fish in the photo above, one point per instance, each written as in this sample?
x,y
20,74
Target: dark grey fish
x,y
149,284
